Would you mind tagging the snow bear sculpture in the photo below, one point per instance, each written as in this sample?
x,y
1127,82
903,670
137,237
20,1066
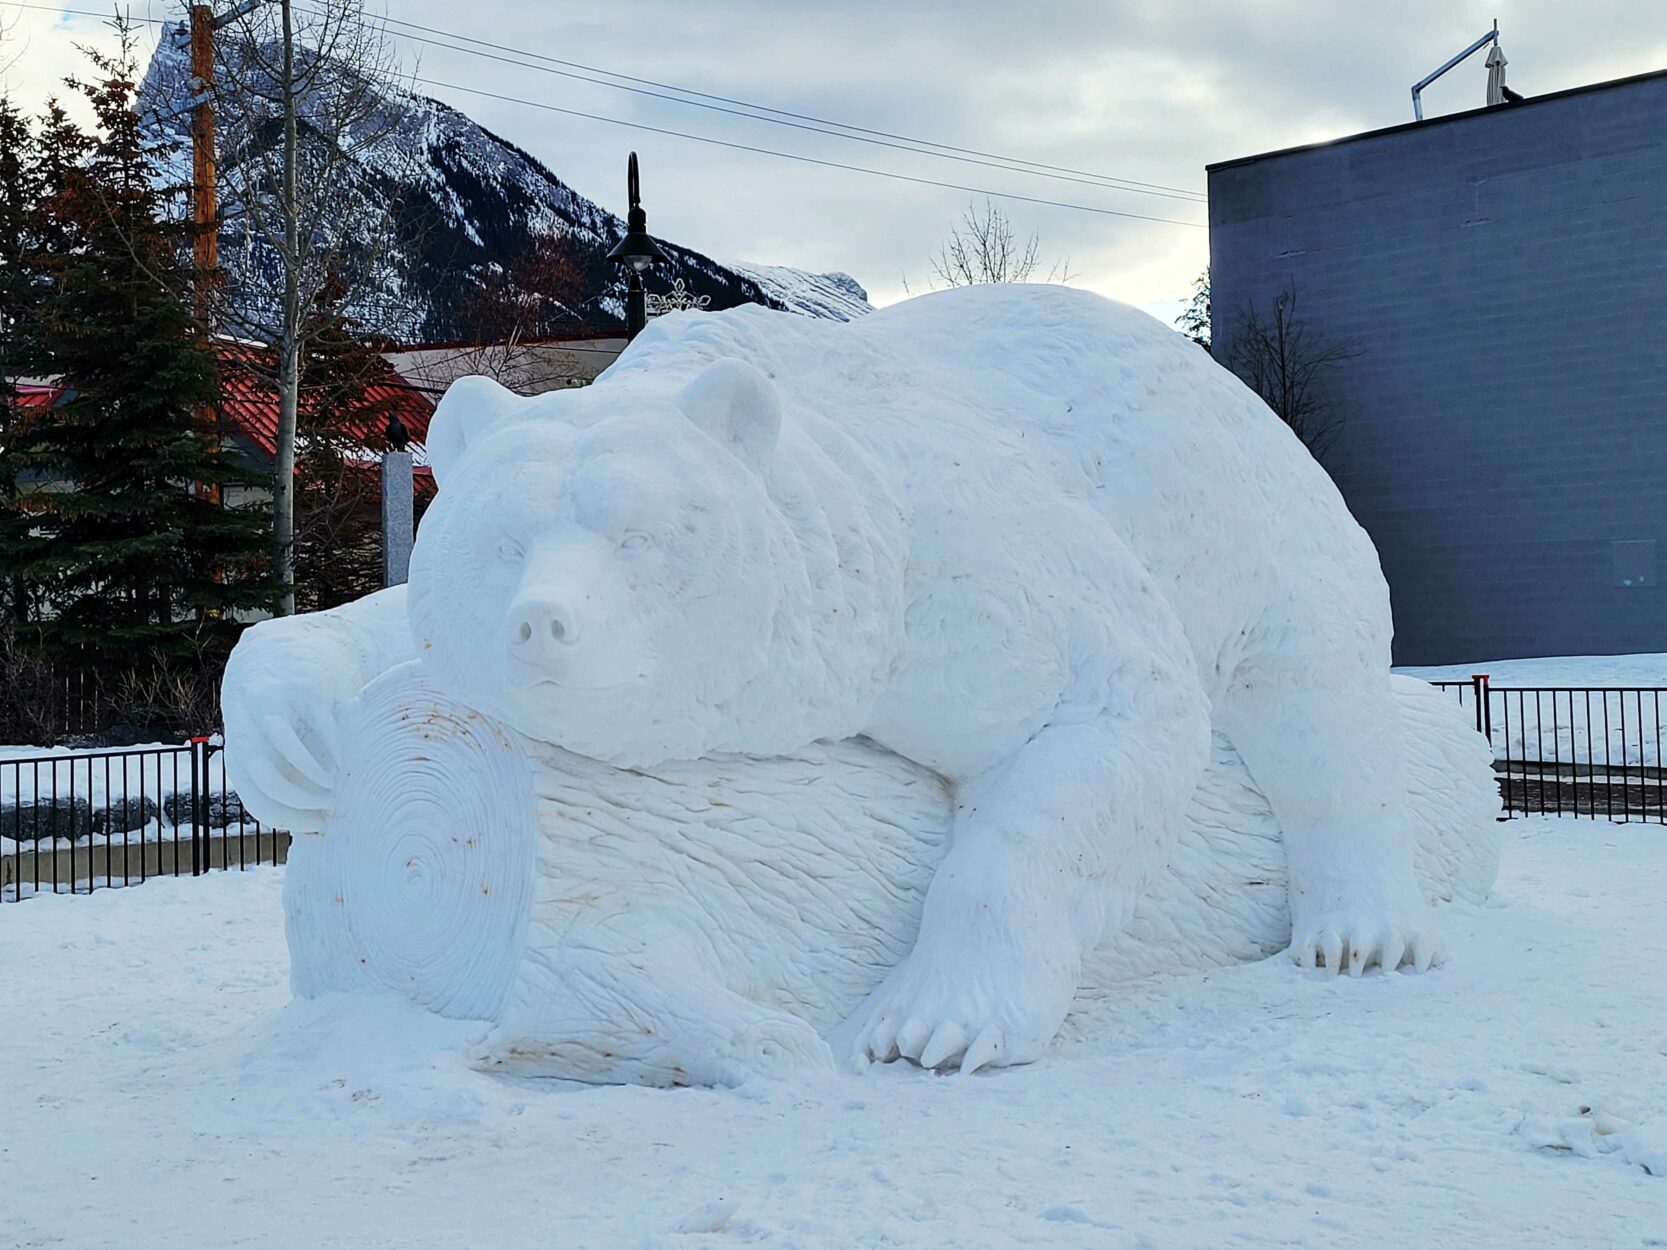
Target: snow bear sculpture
x,y
1024,538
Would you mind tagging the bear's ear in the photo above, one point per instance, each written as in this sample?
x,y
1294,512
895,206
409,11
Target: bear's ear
x,y
738,406
471,408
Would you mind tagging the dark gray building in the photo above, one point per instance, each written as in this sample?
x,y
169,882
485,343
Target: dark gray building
x,y
1502,274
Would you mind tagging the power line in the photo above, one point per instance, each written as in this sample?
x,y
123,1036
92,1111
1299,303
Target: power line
x,y
904,143
808,160
816,125
53,8
724,143
886,134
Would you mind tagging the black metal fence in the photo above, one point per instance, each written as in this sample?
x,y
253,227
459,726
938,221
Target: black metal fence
x,y
1593,751
75,822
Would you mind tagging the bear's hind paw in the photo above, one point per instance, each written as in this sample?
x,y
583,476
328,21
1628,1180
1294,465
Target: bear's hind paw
x,y
1339,944
981,1009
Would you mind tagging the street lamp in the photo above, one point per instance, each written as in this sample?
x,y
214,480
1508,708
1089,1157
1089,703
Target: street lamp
x,y
637,252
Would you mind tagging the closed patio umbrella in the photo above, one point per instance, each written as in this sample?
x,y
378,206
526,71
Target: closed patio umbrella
x,y
1496,74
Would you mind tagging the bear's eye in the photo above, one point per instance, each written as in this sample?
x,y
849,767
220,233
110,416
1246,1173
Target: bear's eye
x,y
636,540
509,549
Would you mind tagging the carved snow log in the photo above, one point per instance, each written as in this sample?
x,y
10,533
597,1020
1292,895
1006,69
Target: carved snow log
x,y
713,920
420,879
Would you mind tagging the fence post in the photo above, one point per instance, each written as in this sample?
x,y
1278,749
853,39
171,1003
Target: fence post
x,y
199,805
1484,714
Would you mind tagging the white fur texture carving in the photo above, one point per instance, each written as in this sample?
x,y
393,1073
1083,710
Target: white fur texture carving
x,y
1028,541
708,922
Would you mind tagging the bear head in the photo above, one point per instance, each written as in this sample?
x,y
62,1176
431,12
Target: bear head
x,y
604,572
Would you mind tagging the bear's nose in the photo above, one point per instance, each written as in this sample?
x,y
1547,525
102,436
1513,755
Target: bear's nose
x,y
539,625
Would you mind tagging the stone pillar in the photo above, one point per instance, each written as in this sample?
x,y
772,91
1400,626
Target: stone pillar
x,y
398,525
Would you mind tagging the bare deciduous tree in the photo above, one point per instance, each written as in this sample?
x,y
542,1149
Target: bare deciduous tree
x,y
10,51
299,91
985,249
1287,362
510,318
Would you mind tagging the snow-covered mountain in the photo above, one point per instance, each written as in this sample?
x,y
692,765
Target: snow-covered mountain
x,y
437,205
834,295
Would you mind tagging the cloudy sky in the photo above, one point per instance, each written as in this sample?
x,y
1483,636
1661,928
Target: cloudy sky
x,y
1149,91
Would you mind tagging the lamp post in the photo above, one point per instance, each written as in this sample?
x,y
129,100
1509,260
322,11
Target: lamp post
x,y
636,251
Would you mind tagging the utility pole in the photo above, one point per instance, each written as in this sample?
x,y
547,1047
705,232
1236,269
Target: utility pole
x,y
205,195
205,207
289,348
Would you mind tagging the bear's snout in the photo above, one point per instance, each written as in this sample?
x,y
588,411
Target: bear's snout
x,y
542,626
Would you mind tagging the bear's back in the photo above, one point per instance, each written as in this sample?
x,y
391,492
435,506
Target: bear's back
x,y
1030,389
978,395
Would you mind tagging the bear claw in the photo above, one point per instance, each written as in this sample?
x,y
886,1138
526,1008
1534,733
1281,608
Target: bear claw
x,y
968,1015
1352,949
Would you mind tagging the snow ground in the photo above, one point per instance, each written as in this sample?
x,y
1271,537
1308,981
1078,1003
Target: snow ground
x,y
160,1090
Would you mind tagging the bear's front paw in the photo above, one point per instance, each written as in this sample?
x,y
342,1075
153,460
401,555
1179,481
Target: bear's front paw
x,y
280,706
1353,935
984,1002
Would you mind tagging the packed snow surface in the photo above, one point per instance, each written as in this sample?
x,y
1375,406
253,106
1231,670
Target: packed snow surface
x,y
161,1089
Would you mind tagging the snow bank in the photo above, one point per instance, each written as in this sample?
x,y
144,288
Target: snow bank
x,y
1556,670
63,796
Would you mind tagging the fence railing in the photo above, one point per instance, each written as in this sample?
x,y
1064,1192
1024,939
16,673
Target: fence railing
x,y
75,822
1593,751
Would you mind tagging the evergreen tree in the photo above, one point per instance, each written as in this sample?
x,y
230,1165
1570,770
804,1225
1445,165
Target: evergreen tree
x,y
134,554
1194,321
21,190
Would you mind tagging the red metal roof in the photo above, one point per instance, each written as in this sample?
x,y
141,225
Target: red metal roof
x,y
33,395
249,408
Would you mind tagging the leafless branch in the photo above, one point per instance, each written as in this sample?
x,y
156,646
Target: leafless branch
x,y
1287,363
300,94
984,248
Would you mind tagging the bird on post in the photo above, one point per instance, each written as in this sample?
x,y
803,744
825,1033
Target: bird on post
x,y
399,438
